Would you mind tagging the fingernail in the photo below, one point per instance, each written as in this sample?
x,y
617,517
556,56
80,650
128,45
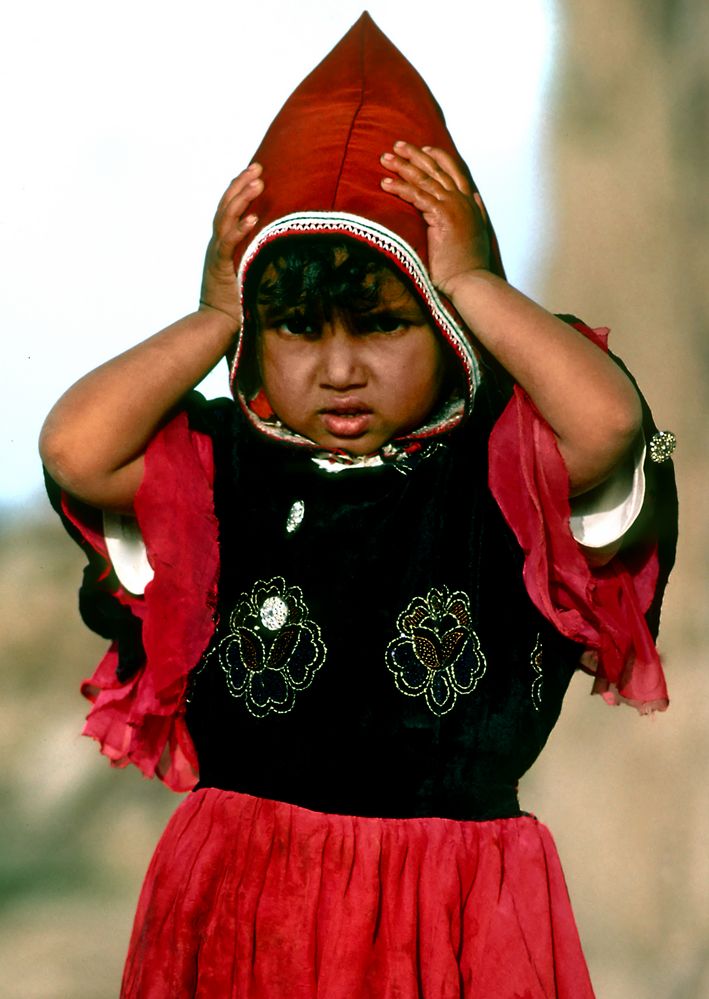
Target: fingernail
x,y
251,219
427,149
399,142
387,156
387,180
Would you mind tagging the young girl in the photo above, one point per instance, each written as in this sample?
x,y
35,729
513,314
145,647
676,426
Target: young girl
x,y
349,605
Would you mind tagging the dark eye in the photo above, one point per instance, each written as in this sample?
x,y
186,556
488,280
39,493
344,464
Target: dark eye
x,y
388,324
383,322
297,325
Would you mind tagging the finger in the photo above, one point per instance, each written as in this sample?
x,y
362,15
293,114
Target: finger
x,y
483,210
242,190
420,159
252,171
415,195
236,208
450,165
235,224
228,239
413,175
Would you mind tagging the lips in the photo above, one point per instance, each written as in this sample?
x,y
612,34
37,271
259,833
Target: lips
x,y
347,417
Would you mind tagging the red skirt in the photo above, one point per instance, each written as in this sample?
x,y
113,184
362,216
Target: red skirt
x,y
258,899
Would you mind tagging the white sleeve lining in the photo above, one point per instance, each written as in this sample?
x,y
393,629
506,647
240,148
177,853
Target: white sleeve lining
x,y
126,550
604,514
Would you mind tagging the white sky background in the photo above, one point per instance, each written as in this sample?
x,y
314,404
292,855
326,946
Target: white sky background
x,y
123,123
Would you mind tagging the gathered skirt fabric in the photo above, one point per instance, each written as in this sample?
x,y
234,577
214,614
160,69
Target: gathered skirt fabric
x,y
252,898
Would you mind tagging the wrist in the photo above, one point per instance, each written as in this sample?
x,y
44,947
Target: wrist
x,y
226,318
459,285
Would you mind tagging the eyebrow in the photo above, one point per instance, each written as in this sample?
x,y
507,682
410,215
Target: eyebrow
x,y
272,314
410,311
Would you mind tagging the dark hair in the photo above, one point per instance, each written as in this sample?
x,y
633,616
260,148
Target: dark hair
x,y
319,274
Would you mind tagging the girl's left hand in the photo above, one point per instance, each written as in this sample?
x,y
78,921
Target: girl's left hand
x,y
434,182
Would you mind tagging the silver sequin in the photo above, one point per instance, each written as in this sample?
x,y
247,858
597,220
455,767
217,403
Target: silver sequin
x,y
295,516
662,444
273,613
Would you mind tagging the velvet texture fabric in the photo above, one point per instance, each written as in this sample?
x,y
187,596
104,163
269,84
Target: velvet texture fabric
x,y
258,899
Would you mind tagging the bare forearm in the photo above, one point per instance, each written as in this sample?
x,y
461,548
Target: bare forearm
x,y
583,395
93,439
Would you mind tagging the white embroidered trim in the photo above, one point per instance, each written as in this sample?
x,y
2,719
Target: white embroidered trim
x,y
604,514
334,465
538,681
126,550
392,245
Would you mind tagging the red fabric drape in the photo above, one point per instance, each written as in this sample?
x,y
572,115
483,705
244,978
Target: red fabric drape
x,y
141,721
602,608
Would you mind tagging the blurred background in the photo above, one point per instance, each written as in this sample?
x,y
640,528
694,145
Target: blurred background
x,y
586,126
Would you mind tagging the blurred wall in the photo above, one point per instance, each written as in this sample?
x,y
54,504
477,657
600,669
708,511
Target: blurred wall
x,y
627,167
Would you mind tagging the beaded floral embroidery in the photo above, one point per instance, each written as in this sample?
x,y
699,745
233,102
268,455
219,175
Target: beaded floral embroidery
x,y
437,654
538,681
272,649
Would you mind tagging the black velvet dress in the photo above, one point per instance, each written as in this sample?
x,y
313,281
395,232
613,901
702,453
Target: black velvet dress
x,y
376,652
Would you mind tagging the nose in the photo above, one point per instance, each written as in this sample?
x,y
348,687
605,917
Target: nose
x,y
342,364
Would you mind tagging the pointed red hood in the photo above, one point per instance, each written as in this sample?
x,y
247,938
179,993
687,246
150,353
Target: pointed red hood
x,y
322,171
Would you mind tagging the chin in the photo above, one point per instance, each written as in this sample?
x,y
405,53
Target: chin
x,y
359,447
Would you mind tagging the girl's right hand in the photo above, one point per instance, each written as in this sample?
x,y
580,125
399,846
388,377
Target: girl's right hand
x,y
229,229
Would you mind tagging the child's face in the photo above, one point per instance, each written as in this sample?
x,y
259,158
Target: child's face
x,y
352,381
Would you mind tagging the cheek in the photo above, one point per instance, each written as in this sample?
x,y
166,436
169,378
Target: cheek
x,y
285,377
417,380
427,369
275,361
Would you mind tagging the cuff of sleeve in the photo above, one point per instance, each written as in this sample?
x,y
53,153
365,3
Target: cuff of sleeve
x,y
126,550
603,515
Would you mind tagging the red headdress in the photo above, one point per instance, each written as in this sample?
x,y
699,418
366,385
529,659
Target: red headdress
x,y
322,172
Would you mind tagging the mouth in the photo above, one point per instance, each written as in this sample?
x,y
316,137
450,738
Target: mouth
x,y
347,418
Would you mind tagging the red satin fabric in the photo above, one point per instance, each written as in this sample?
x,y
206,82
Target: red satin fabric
x,y
258,899
357,102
